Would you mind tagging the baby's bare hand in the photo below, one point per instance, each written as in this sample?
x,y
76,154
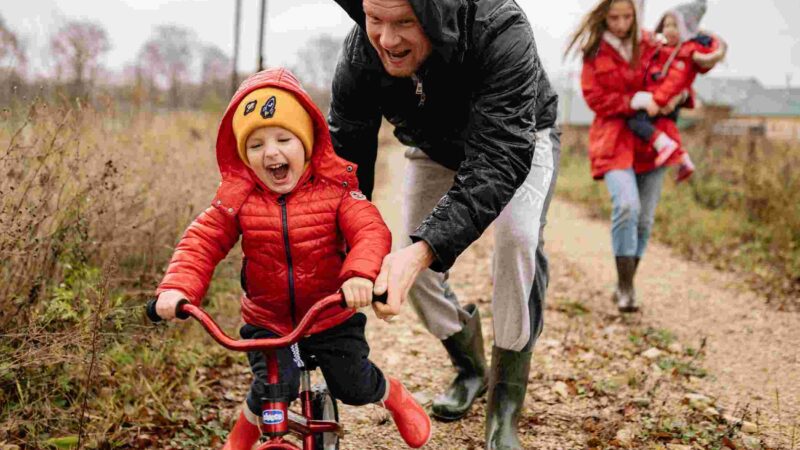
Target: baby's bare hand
x,y
167,302
357,292
652,108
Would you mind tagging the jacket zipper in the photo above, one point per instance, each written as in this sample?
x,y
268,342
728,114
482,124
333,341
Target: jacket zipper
x,y
243,276
419,89
285,223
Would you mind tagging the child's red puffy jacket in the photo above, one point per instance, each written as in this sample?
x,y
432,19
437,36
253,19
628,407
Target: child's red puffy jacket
x,y
681,72
294,245
679,76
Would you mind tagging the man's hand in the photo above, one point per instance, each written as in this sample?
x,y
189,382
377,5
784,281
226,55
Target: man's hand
x,y
166,303
357,292
398,272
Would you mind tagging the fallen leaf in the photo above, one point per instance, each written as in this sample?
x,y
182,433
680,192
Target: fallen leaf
x,y
561,389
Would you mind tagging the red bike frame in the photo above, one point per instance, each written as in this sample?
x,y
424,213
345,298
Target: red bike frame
x,y
276,419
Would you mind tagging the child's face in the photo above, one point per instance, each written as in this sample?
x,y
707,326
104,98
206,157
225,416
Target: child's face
x,y
277,157
670,30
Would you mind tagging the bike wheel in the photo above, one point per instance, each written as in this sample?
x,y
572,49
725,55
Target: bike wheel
x,y
324,407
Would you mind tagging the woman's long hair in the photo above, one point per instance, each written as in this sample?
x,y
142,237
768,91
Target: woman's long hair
x,y
590,32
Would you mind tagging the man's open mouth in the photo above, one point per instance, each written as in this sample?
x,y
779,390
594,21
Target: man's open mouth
x,y
397,56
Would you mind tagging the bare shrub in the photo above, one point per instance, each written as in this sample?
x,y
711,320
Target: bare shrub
x,y
91,204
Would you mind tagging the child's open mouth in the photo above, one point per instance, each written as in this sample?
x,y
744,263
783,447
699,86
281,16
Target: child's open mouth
x,y
279,171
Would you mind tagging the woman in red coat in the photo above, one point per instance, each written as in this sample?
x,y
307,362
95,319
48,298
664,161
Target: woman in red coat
x,y
613,47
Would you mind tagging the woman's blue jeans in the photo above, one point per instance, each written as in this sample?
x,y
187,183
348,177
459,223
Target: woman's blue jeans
x,y
634,199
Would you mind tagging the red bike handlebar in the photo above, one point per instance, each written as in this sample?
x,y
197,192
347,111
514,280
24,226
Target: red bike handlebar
x,y
186,309
251,345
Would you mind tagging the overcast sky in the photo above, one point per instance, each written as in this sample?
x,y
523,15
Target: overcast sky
x,y
763,44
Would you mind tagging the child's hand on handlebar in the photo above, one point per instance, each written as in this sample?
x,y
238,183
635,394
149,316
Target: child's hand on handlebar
x,y
167,303
357,292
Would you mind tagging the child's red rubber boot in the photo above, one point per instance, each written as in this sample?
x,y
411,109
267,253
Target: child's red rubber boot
x,y
244,434
411,420
665,146
685,170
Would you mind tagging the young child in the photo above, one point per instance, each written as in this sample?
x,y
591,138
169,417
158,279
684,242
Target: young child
x,y
298,209
671,70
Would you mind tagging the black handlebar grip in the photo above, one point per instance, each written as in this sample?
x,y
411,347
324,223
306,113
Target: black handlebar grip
x,y
383,298
151,311
180,314
155,318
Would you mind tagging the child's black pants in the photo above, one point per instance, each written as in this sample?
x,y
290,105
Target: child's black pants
x,y
340,352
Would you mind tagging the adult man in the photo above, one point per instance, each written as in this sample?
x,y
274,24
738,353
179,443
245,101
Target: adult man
x,y
462,83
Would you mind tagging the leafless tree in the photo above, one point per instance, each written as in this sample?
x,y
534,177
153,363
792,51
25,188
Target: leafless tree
x,y
77,47
216,64
168,55
12,56
148,71
215,74
12,62
316,61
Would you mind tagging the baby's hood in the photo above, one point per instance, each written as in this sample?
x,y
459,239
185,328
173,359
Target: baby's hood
x,y
688,16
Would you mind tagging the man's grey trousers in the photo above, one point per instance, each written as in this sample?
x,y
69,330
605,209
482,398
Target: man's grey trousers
x,y
519,265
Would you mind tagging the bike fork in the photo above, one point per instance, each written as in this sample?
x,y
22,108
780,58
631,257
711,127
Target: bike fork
x,y
275,403
305,397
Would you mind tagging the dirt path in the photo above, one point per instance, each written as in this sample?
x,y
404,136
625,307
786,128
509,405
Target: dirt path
x,y
752,351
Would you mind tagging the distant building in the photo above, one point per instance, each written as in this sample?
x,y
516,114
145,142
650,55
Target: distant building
x,y
729,106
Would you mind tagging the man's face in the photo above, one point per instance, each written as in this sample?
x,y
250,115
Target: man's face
x,y
396,34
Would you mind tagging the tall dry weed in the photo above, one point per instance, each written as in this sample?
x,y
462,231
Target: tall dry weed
x,y
758,179
91,204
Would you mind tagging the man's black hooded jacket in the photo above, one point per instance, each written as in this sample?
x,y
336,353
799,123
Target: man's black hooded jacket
x,y
484,93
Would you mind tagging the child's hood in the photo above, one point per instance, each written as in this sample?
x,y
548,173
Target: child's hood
x,y
688,16
238,180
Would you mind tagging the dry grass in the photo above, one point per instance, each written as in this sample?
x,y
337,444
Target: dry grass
x,y
91,203
91,187
741,210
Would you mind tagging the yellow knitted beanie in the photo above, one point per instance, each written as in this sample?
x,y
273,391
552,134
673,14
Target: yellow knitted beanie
x,y
272,107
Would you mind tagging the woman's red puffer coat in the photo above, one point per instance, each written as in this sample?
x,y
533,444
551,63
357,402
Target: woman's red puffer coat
x,y
294,245
609,82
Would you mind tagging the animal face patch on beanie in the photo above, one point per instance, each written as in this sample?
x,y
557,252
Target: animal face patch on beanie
x,y
276,108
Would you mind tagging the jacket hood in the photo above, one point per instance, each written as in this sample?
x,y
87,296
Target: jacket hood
x,y
238,180
688,16
444,22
